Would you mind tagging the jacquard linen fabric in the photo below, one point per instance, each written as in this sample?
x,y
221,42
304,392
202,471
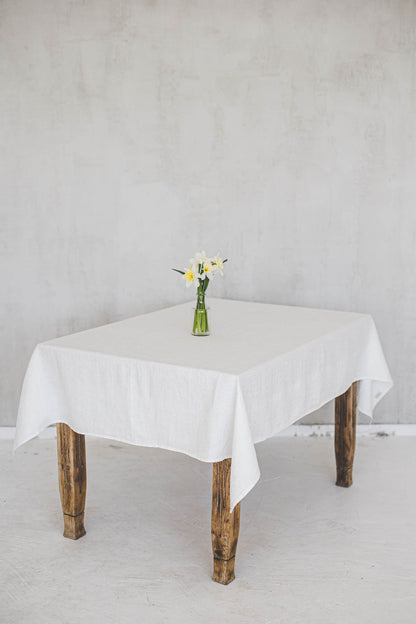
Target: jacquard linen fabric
x,y
148,381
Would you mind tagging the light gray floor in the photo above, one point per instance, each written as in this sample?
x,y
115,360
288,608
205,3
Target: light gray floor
x,y
309,552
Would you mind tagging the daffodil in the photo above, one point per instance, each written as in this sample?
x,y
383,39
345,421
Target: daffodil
x,y
199,258
207,270
202,270
191,277
217,264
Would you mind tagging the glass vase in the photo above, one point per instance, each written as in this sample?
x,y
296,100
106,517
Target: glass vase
x,y
200,326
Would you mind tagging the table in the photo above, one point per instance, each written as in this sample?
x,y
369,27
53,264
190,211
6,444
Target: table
x,y
148,381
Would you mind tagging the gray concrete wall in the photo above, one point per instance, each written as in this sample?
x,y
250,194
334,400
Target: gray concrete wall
x,y
134,133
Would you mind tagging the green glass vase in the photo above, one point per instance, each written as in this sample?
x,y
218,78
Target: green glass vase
x,y
200,326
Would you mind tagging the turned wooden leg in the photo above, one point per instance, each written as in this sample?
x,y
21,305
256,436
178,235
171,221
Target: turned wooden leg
x,y
224,525
345,426
72,479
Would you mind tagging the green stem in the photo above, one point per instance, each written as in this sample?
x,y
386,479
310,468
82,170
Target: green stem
x,y
200,326
200,304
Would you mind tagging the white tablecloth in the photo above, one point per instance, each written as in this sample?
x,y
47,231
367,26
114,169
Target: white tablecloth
x,y
148,381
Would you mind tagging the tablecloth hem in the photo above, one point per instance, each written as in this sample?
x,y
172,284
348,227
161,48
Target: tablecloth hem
x,y
239,497
116,439
256,441
389,383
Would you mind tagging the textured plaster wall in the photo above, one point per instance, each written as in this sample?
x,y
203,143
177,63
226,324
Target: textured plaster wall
x,y
133,133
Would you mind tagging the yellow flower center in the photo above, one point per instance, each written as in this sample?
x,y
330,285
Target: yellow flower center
x,y
207,268
189,275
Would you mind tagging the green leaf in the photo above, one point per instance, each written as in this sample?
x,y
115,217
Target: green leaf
x,y
177,271
224,261
206,283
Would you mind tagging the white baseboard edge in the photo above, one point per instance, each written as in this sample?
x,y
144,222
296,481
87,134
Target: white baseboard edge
x,y
301,431
362,430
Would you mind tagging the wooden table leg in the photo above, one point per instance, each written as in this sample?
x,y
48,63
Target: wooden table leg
x,y
224,525
345,426
72,479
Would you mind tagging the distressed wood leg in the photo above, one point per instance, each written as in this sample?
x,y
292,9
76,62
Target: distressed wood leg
x,y
72,479
224,525
345,427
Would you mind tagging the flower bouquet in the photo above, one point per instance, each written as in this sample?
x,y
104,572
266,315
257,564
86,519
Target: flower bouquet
x,y
202,269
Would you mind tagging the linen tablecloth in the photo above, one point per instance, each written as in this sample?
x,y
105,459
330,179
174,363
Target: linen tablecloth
x,y
147,381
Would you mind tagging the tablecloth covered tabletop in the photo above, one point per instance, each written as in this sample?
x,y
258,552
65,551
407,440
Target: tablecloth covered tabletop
x,y
147,381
